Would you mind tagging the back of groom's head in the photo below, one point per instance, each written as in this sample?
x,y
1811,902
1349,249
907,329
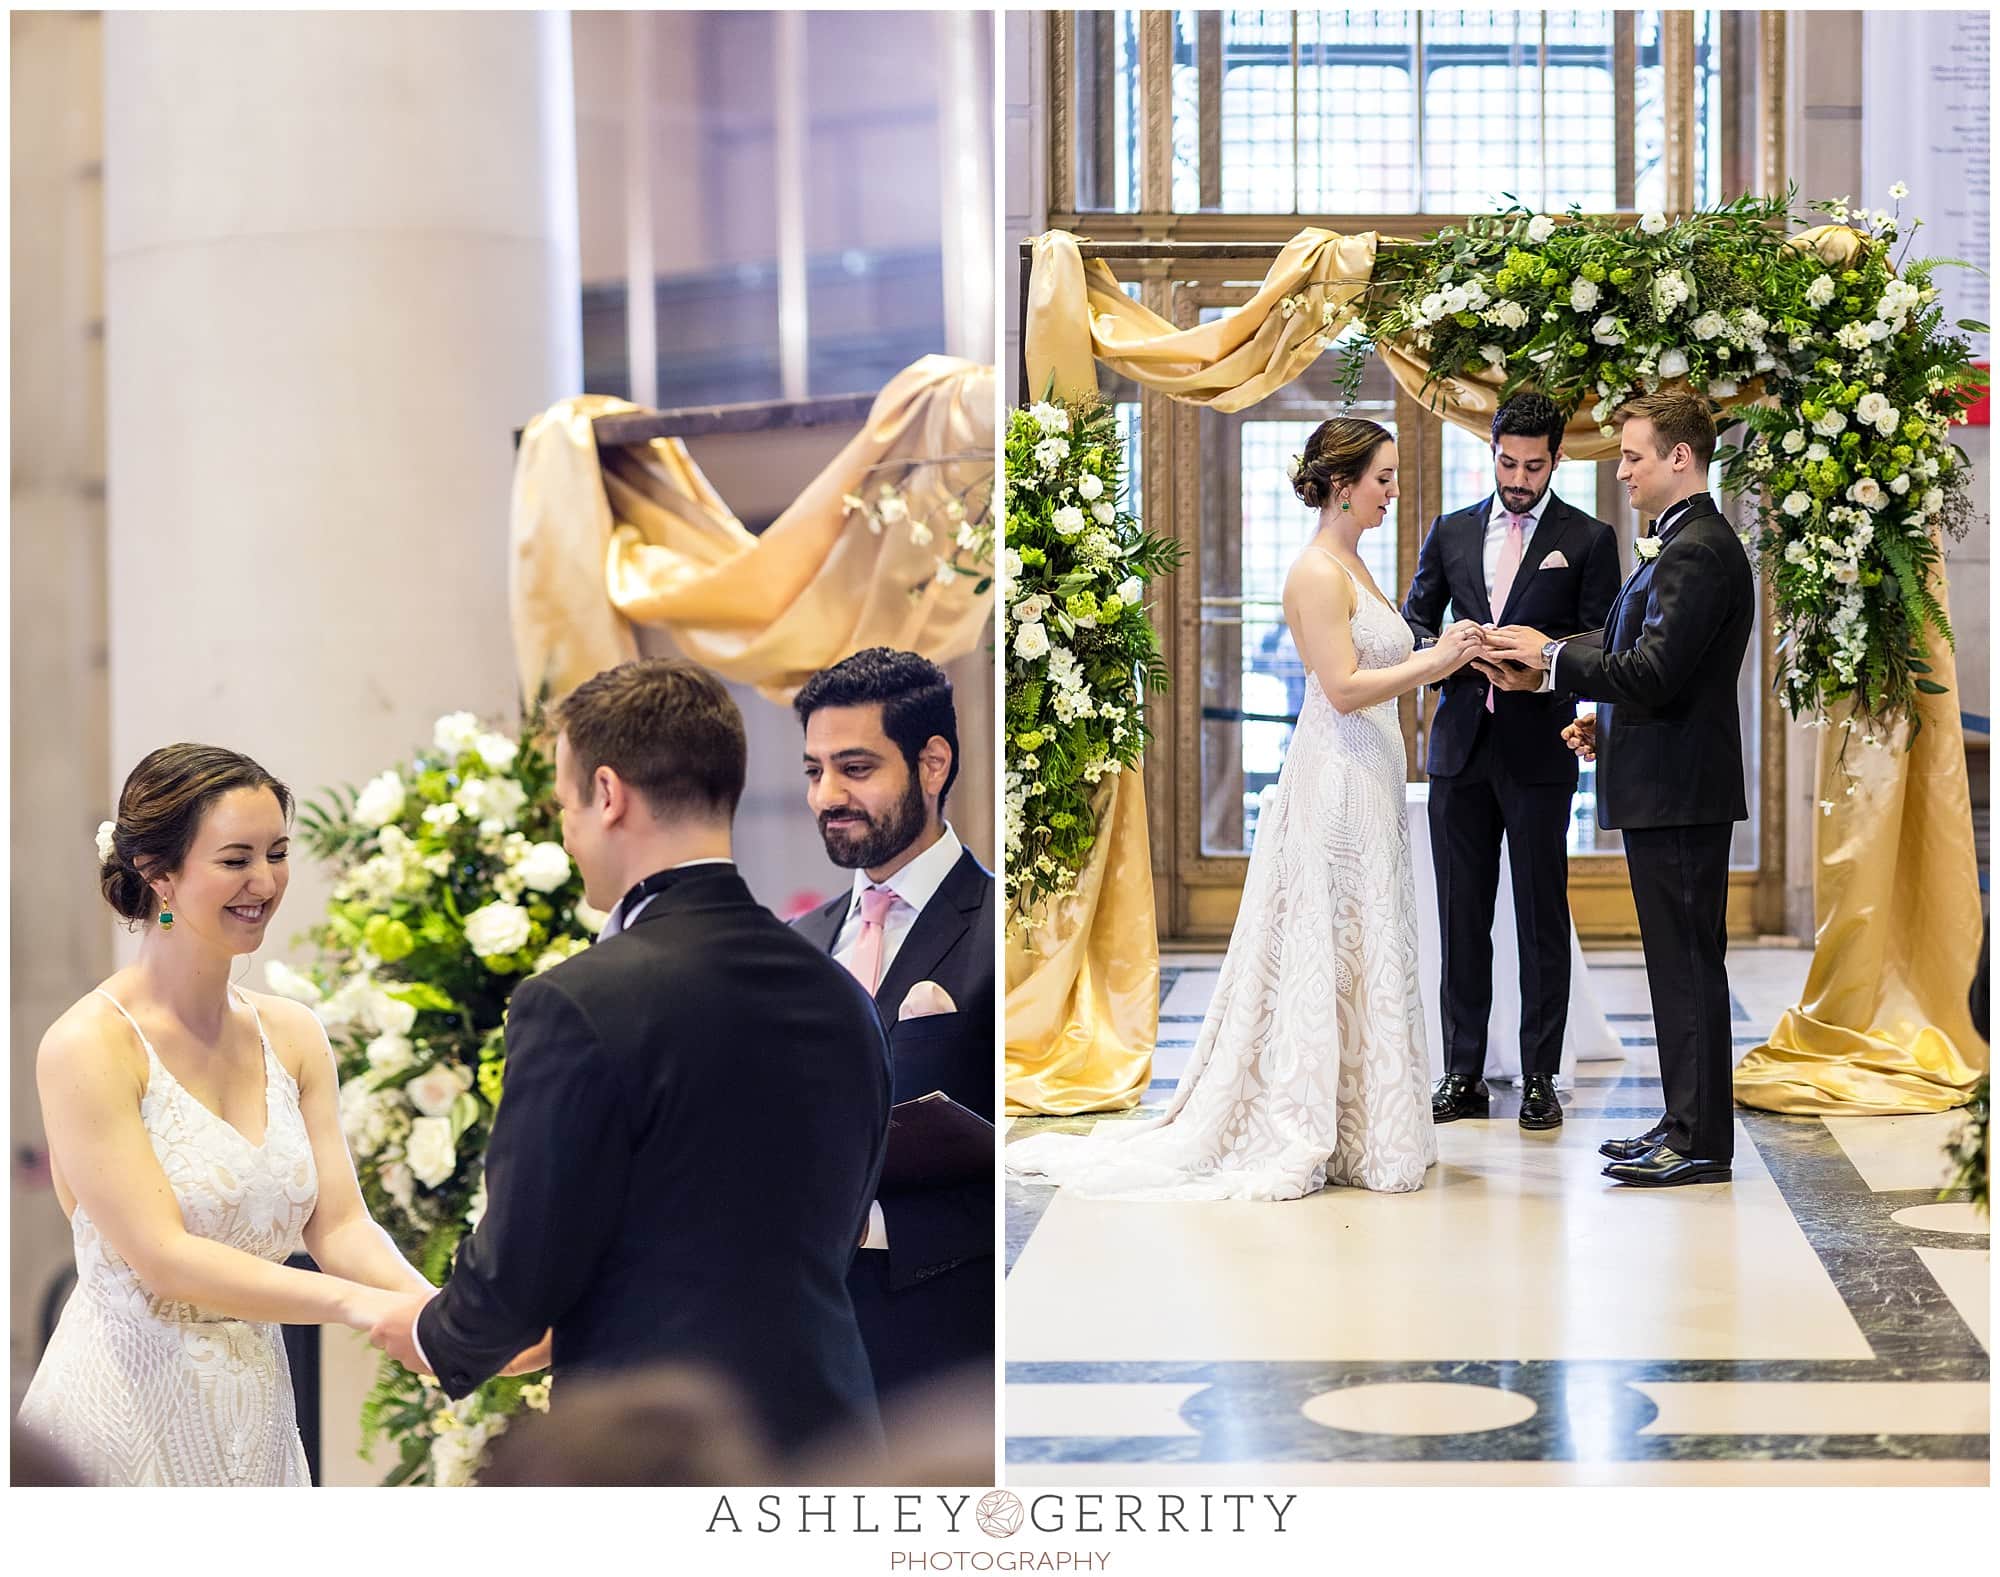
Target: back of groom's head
x,y
667,728
913,692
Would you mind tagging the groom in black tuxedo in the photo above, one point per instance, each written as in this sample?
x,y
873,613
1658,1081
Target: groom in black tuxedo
x,y
1668,743
1497,762
695,1109
916,928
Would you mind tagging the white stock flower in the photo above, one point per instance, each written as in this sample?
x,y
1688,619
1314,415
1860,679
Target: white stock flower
x,y
1653,223
284,981
1583,294
381,802
455,733
1050,418
1051,452
389,1055
496,929
543,866
1540,228
1089,486
1797,504
431,1152
1030,642
497,751
1068,520
1673,364
1820,291
433,1090
1669,291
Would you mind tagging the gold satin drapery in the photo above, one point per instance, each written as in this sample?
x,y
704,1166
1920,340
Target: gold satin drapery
x,y
1883,1026
638,536
1083,989
1078,316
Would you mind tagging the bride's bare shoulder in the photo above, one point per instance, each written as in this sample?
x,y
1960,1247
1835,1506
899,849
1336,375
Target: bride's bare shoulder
x,y
1318,580
91,1038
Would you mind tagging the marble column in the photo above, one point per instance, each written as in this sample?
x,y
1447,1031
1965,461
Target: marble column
x,y
340,270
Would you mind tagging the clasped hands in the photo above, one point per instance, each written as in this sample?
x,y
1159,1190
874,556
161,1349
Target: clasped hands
x,y
1509,655
394,1332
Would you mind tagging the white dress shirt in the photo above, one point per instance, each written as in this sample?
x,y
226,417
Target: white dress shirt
x,y
1669,518
612,926
916,884
1496,538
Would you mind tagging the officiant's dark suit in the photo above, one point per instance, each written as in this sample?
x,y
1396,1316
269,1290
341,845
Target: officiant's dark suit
x,y
1504,769
925,1303
1670,777
694,1116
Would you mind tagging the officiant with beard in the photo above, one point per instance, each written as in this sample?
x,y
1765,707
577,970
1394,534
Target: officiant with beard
x,y
916,928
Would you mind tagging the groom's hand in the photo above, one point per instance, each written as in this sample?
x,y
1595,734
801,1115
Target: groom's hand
x,y
1581,736
1516,643
1508,676
395,1333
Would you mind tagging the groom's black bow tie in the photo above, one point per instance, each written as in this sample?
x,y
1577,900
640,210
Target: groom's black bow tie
x,y
654,885
1672,517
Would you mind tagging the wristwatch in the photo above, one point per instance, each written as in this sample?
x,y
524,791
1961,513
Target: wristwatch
x,y
1549,649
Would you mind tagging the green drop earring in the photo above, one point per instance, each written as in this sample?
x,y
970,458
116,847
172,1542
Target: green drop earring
x,y
166,919
1346,504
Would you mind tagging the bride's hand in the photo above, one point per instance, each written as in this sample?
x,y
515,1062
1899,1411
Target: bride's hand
x,y
363,1307
533,1359
1456,647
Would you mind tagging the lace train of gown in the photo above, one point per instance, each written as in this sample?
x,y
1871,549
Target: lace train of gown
x,y
136,1390
1311,1066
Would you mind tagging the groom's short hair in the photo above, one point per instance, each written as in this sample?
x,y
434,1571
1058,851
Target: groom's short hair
x,y
914,694
667,728
1679,416
1531,414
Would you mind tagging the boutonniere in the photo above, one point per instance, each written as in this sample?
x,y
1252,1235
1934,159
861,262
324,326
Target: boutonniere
x,y
1647,548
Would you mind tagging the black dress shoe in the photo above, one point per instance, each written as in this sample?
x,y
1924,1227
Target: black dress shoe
x,y
1457,1096
1632,1149
1661,1167
1539,1106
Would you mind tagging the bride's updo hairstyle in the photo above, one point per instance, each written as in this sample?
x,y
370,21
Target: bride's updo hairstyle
x,y
159,812
1336,456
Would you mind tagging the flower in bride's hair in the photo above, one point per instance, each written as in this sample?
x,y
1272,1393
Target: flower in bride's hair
x,y
1293,466
107,841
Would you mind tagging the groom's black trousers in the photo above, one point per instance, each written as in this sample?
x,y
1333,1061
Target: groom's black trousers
x,y
1469,812
1680,887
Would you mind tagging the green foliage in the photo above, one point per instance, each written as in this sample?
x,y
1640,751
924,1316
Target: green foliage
x,y
1081,654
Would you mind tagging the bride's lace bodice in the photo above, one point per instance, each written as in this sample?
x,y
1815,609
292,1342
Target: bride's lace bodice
x,y
135,1389
1311,1065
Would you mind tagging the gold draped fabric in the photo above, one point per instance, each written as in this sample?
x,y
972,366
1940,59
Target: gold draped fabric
x,y
638,536
1882,1026
1083,990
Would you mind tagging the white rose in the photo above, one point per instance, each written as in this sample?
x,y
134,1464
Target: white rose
x,y
389,1055
1793,441
497,751
1709,325
1868,493
544,867
390,1015
1069,520
1820,291
1031,642
381,802
1089,485
287,982
1653,223
1722,388
1797,551
1831,425
1817,453
1583,295
1887,423
1131,591
1011,567
1606,331
1508,314
432,1154
497,928
1104,513
1846,573
1797,504
355,1098
1540,228
1029,610
398,1182
1933,501
1899,485
1871,406
1673,364
455,734
433,1090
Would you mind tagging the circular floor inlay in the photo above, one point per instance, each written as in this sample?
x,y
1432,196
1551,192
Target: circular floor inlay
x,y
1955,1217
1419,1407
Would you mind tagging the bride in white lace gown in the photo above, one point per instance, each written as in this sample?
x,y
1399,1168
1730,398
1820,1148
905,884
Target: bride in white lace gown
x,y
1311,1066
195,1141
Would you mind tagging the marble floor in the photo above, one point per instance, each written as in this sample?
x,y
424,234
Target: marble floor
x,y
1822,1319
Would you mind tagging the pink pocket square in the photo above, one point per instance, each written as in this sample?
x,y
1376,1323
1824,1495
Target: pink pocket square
x,y
1555,561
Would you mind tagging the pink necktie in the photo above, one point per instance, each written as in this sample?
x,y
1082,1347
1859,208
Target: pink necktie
x,y
866,962
1503,573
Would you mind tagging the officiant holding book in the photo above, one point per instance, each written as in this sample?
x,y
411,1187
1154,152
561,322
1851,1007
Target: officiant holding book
x,y
916,928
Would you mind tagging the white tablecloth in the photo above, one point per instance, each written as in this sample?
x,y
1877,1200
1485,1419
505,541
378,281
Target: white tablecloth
x,y
1588,1036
